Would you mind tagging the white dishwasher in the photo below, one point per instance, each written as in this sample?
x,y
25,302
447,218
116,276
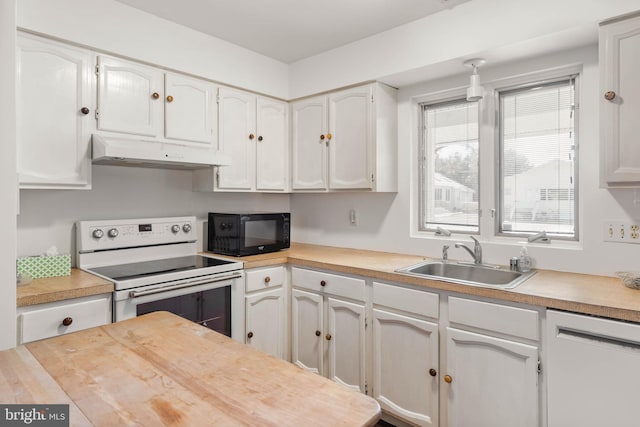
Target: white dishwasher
x,y
593,371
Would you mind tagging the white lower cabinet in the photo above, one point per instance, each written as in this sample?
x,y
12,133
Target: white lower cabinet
x,y
328,326
405,353
265,310
490,381
443,360
491,365
41,321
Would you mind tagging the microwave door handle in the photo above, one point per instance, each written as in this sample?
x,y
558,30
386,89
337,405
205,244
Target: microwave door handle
x,y
136,294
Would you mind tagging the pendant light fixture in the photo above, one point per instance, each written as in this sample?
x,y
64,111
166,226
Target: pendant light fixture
x,y
475,91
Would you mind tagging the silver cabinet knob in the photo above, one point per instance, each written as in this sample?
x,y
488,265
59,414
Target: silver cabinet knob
x,y
186,228
175,228
97,233
113,232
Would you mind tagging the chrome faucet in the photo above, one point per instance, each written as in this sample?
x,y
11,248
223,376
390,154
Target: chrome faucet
x,y
476,253
445,254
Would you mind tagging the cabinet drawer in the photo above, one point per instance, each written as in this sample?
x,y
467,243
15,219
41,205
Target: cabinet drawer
x,y
46,320
519,322
410,300
327,283
264,278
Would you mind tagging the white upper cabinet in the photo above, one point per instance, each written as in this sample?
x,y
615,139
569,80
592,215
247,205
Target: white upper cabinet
x,y
345,140
253,131
189,109
272,146
130,98
55,109
138,100
620,102
350,139
236,127
309,144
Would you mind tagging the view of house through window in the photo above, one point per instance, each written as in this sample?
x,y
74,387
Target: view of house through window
x,y
537,148
449,166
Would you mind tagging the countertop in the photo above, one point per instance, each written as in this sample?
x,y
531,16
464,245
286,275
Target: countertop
x,y
582,293
50,289
137,372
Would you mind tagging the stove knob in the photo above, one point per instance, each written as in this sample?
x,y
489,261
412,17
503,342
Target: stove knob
x,y
175,228
186,228
97,233
113,232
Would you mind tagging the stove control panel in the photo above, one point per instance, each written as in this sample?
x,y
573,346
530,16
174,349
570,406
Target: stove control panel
x,y
115,234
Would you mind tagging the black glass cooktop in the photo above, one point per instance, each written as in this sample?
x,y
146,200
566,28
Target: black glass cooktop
x,y
136,270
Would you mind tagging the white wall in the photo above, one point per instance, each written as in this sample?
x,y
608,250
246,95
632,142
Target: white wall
x,y
8,177
118,28
47,217
439,43
384,219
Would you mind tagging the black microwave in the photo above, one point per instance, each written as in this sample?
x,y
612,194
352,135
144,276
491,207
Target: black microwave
x,y
241,234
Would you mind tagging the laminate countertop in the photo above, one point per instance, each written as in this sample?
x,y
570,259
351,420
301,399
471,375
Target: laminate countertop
x,y
582,293
78,284
160,369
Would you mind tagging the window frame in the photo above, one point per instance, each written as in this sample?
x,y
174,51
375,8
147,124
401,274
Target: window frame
x,y
543,79
489,150
452,96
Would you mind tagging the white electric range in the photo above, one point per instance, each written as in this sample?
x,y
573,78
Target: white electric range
x,y
154,265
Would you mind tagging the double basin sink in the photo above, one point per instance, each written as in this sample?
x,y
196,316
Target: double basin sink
x,y
468,274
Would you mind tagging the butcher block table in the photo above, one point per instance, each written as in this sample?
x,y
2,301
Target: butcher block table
x,y
159,369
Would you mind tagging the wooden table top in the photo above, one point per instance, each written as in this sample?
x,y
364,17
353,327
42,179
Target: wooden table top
x,y
159,369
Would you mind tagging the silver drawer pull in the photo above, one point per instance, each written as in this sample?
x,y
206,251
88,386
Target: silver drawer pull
x,y
136,294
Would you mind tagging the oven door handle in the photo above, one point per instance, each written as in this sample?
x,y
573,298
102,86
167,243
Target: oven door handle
x,y
136,294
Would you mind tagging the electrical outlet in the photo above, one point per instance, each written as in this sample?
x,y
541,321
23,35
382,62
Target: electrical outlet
x,y
621,231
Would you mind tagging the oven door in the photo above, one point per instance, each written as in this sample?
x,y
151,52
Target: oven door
x,y
207,300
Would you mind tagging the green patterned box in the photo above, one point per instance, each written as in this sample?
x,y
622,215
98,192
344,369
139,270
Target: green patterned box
x,y
45,266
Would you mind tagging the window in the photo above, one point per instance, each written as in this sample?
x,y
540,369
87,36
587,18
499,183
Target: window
x,y
449,166
537,159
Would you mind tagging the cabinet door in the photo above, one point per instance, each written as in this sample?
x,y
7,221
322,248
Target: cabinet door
x,y
130,98
345,340
405,383
620,56
190,110
272,155
236,137
265,319
309,144
54,85
494,382
306,331
350,147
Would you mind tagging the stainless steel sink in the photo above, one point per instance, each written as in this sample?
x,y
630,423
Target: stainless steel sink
x,y
468,274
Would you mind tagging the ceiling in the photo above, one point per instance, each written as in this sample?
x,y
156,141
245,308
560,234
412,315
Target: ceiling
x,y
290,30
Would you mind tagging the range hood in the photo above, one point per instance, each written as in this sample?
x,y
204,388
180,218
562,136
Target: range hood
x,y
154,154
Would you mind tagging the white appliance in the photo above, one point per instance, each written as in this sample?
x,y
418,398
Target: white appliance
x,y
154,266
592,370
156,154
